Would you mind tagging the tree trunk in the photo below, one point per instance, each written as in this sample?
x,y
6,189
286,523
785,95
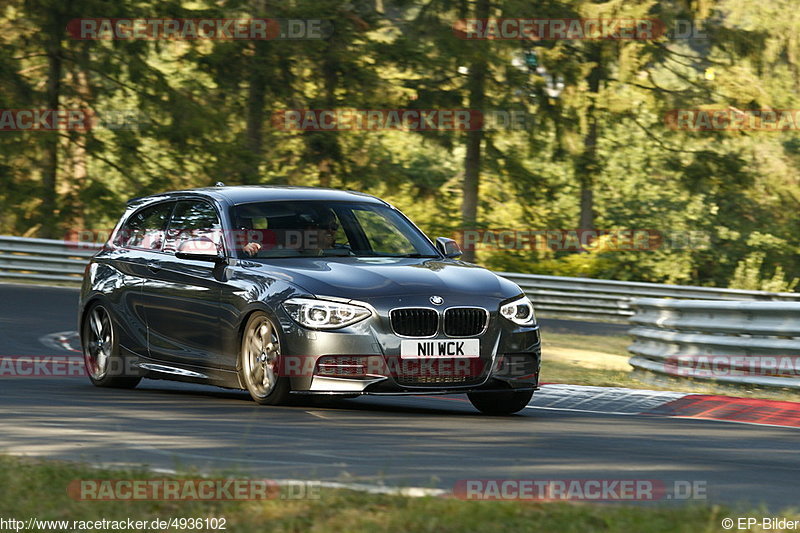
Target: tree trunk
x,y
472,162
327,147
71,189
48,210
256,93
587,168
586,165
260,65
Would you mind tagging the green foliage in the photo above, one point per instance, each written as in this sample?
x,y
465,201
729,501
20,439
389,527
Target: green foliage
x,y
204,112
749,275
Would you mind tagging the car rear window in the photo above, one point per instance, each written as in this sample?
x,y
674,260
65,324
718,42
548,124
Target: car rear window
x,y
145,228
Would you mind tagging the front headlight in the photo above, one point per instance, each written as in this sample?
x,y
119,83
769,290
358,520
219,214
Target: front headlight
x,y
520,311
324,314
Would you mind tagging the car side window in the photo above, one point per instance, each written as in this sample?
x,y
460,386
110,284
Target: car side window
x,y
145,228
193,220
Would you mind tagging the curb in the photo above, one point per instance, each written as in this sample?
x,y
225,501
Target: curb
x,y
732,409
623,401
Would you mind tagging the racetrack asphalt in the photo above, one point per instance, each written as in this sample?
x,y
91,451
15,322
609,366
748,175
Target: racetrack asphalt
x,y
424,441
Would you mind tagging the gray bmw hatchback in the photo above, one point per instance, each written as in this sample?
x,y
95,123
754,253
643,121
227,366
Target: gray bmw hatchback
x,y
284,291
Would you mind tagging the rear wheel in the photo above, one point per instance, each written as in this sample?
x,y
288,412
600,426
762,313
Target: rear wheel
x,y
259,361
500,403
104,364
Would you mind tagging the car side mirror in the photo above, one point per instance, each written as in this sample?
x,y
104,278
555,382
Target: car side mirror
x,y
200,249
448,247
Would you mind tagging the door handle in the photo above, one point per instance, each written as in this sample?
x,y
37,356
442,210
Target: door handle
x,y
153,267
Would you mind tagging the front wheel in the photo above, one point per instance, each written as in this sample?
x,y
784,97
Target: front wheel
x,y
104,364
260,361
500,403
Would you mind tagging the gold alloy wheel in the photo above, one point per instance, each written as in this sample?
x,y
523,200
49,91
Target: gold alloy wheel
x,y
260,356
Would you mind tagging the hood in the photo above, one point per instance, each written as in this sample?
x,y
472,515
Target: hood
x,y
379,277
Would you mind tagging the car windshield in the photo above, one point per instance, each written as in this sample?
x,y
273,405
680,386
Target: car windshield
x,y
325,229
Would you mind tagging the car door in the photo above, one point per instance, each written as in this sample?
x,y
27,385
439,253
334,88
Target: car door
x,y
141,233
183,295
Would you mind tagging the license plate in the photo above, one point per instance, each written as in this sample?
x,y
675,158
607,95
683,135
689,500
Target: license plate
x,y
433,349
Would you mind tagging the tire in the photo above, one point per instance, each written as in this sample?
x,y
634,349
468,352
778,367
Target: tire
x,y
100,343
500,403
259,357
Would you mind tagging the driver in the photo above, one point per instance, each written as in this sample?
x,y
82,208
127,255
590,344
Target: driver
x,y
252,248
318,234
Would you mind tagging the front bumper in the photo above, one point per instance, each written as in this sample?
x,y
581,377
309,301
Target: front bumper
x,y
365,359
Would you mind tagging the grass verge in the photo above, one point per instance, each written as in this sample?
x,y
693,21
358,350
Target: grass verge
x,y
33,488
612,344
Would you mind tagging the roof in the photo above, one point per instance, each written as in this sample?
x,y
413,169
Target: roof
x,y
237,194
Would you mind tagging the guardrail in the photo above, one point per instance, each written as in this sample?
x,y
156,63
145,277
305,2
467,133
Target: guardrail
x,y
24,259
753,343
610,300
554,296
